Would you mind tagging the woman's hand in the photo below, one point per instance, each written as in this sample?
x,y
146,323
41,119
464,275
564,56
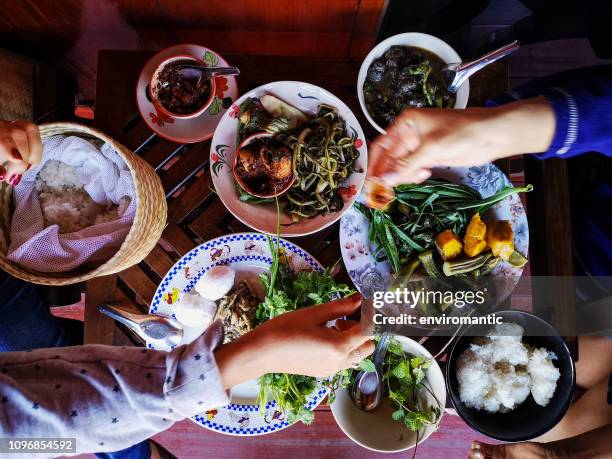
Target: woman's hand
x,y
297,342
421,139
20,148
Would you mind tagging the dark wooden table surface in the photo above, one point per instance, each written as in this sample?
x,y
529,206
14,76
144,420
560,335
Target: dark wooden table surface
x,y
195,213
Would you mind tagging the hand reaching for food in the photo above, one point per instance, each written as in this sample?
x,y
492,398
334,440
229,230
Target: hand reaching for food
x,y
421,139
297,342
20,148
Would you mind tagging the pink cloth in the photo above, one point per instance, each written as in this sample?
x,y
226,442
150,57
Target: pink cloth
x,y
106,178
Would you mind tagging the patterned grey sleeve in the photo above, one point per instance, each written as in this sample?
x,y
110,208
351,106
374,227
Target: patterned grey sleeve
x,y
106,397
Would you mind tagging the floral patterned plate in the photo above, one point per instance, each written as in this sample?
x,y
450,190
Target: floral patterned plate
x,y
370,276
249,255
190,130
262,217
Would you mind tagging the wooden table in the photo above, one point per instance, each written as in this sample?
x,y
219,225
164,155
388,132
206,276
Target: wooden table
x,y
195,213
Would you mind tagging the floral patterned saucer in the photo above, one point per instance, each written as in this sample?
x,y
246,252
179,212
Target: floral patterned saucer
x,y
249,255
190,130
370,276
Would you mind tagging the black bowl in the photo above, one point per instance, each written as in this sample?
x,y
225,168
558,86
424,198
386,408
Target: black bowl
x,y
528,420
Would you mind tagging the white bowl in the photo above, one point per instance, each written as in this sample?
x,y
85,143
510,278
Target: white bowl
x,y
262,217
375,430
419,40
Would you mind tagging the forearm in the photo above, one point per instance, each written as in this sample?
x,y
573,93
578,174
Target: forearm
x,y
526,126
108,398
594,444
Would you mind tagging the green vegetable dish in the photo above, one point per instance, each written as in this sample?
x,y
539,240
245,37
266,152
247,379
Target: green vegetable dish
x,y
435,228
323,153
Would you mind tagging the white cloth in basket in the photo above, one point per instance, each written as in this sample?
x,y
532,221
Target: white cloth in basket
x,y
105,177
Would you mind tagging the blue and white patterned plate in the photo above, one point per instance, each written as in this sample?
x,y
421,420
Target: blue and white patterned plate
x,y
370,276
249,255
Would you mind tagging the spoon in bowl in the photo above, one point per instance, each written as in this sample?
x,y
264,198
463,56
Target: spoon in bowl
x,y
455,74
162,332
367,389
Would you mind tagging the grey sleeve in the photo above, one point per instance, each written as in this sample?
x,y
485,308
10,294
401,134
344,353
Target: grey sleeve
x,y
108,398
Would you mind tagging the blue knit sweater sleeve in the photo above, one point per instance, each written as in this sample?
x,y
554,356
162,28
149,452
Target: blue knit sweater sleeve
x,y
582,101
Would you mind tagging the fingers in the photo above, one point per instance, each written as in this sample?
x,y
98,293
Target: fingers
x,y
389,152
34,142
333,310
20,146
343,324
357,354
353,337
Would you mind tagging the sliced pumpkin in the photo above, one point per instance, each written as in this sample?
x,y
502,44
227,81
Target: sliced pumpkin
x,y
474,242
448,244
500,238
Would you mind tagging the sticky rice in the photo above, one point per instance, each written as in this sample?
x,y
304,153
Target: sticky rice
x,y
498,372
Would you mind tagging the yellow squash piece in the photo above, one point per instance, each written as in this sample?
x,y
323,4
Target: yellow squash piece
x,y
500,238
448,244
474,242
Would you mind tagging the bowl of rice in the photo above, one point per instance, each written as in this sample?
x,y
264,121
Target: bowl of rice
x,y
514,381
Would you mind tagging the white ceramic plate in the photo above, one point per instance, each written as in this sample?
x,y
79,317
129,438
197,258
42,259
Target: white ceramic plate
x,y
375,430
262,217
370,276
249,255
190,130
419,40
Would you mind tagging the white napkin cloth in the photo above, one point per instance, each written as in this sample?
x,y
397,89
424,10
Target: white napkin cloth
x,y
105,177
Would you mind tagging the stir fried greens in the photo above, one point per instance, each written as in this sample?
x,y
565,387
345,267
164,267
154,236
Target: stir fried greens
x,y
409,226
287,291
324,153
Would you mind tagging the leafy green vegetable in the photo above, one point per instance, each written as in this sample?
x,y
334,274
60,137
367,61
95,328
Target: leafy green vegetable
x,y
287,291
367,365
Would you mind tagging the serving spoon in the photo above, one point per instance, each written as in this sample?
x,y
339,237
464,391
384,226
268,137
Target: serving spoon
x,y
162,332
456,73
367,389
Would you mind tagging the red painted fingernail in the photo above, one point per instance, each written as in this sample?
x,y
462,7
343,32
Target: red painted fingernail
x,y
2,173
16,154
15,179
28,168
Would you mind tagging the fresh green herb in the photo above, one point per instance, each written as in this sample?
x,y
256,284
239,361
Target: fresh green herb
x,y
287,291
367,365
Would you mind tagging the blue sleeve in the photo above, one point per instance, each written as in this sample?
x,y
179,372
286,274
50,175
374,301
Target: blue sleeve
x,y
582,101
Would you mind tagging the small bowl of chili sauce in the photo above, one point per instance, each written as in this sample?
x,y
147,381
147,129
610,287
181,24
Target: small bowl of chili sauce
x,y
178,96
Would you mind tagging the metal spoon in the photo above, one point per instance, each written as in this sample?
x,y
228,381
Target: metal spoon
x,y
193,71
455,74
159,330
367,390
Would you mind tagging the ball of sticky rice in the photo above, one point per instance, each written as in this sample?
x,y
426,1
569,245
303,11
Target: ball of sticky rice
x,y
544,375
216,282
498,372
192,310
474,380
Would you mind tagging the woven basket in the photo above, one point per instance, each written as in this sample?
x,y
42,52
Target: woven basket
x,y
149,221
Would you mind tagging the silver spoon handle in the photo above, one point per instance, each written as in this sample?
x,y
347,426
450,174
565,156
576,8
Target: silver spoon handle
x,y
126,318
467,69
381,349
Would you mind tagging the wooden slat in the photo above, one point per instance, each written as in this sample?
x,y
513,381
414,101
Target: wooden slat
x,y
209,224
158,152
191,161
191,198
174,239
158,261
99,328
141,285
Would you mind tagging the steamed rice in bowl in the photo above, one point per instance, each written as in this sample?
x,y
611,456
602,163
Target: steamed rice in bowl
x,y
498,372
